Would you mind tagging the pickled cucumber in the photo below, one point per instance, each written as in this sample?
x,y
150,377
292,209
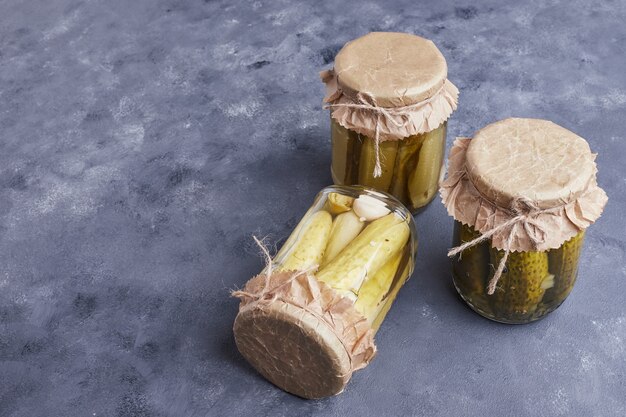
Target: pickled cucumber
x,y
380,241
521,286
406,160
424,180
346,227
308,249
341,149
346,152
367,164
471,267
373,292
563,263
383,308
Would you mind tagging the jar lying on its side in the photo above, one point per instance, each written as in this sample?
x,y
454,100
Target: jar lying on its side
x,y
308,320
390,100
522,192
532,285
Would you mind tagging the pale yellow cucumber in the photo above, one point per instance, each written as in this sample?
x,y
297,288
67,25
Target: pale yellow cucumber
x,y
367,164
373,292
308,248
384,307
424,180
346,227
380,241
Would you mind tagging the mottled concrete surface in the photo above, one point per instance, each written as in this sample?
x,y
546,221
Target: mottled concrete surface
x,y
143,142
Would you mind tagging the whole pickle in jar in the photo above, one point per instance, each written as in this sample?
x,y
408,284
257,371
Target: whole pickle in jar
x,y
406,160
471,267
384,307
521,286
343,143
563,264
308,248
424,180
380,241
346,227
372,294
367,164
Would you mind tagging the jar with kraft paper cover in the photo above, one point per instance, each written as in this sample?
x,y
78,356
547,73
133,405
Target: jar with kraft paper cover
x,y
308,321
389,100
522,193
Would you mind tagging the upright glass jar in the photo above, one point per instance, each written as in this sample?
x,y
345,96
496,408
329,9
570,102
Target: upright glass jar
x,y
522,192
390,99
308,320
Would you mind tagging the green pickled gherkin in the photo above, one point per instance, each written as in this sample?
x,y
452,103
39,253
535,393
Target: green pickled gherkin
x,y
411,166
342,144
406,160
521,286
367,164
471,268
423,182
563,264
345,154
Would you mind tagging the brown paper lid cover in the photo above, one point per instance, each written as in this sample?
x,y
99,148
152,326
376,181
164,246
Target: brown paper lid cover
x,y
301,335
528,168
395,69
390,86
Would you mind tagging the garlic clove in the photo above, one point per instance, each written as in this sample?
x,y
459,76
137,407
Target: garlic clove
x,y
369,208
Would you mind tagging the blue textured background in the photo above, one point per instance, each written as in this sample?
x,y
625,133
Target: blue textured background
x,y
143,142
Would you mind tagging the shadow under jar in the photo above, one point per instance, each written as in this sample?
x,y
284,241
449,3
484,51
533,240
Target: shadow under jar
x,y
390,99
309,319
522,193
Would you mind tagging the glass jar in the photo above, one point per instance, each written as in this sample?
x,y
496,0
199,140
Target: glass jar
x,y
411,167
532,284
363,243
308,321
522,193
390,98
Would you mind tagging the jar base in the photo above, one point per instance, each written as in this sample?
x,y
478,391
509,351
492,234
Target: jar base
x,y
538,315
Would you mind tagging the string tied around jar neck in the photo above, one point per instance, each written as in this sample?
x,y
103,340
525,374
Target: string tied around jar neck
x,y
267,289
522,211
364,102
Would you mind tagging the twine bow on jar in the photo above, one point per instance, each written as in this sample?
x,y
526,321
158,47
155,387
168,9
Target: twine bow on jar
x,y
522,212
362,112
369,104
494,185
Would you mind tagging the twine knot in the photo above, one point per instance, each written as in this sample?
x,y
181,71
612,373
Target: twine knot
x,y
522,211
367,103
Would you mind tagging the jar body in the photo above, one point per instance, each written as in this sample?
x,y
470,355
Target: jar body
x,y
360,242
532,285
411,167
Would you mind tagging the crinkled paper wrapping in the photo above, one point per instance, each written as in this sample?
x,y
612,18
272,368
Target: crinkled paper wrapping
x,y
321,315
393,126
542,230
